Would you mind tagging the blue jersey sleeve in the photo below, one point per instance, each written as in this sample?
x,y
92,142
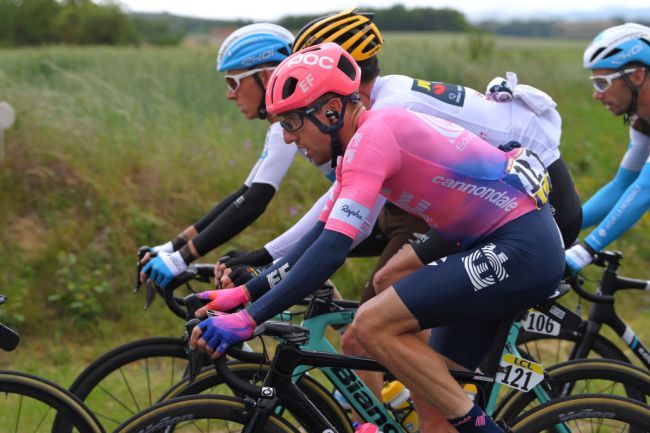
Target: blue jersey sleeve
x,y
601,203
625,213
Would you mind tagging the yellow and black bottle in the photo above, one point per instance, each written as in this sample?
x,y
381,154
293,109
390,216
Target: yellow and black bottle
x,y
398,399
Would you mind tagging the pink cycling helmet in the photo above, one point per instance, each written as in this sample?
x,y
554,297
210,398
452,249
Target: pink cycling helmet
x,y
310,73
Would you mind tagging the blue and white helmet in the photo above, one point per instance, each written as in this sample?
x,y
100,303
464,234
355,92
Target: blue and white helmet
x,y
617,46
254,44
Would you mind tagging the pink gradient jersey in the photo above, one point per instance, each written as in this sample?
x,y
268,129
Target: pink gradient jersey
x,y
458,183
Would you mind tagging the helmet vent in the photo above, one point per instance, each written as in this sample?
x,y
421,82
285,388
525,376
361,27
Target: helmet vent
x,y
347,67
612,52
289,87
596,53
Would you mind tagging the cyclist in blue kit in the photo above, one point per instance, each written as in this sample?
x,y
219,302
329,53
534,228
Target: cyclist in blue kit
x,y
619,60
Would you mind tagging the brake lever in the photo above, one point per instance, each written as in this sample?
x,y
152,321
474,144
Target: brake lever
x,y
151,294
195,358
142,251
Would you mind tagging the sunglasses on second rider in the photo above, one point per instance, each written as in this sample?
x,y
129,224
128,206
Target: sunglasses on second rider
x,y
234,81
603,82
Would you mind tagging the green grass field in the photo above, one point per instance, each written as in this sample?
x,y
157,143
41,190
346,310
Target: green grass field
x,y
118,147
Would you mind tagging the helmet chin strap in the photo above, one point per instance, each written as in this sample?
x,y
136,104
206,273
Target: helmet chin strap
x,y
261,109
631,109
333,130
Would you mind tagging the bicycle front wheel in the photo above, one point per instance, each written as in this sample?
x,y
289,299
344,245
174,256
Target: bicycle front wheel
x,y
30,404
206,414
586,413
550,350
128,379
210,382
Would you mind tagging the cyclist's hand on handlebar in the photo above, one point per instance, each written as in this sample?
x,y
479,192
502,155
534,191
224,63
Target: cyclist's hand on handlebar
x,y
163,268
167,247
223,300
577,257
216,334
260,257
219,272
238,275
153,251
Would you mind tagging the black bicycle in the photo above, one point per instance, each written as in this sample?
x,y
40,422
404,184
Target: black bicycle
x,y
257,410
547,342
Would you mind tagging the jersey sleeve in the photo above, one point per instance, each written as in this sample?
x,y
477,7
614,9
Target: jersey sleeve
x,y
626,212
370,158
275,160
623,201
602,203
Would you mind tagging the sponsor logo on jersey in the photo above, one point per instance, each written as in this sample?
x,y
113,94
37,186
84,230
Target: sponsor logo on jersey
x,y
500,199
454,134
453,94
350,212
485,267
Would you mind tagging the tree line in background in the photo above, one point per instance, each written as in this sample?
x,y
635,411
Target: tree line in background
x,y
36,22
399,18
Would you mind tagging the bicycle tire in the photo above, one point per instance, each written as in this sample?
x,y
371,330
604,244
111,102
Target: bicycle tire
x,y
612,376
585,409
313,390
41,400
196,410
529,343
115,378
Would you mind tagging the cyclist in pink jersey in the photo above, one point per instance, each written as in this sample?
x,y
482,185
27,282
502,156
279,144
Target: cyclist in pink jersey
x,y
491,202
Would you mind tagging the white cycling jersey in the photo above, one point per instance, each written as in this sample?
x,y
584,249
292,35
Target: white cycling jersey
x,y
272,166
530,119
495,122
274,161
638,154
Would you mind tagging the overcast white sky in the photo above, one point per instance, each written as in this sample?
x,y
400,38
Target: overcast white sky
x,y
271,10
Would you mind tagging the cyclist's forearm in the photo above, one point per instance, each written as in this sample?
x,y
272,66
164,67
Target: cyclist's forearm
x,y
317,264
183,238
276,272
601,203
235,218
627,211
207,219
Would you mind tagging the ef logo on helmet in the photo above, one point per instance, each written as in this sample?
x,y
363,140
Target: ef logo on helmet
x,y
306,83
312,59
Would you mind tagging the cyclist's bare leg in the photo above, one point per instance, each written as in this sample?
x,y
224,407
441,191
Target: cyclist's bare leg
x,y
387,329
